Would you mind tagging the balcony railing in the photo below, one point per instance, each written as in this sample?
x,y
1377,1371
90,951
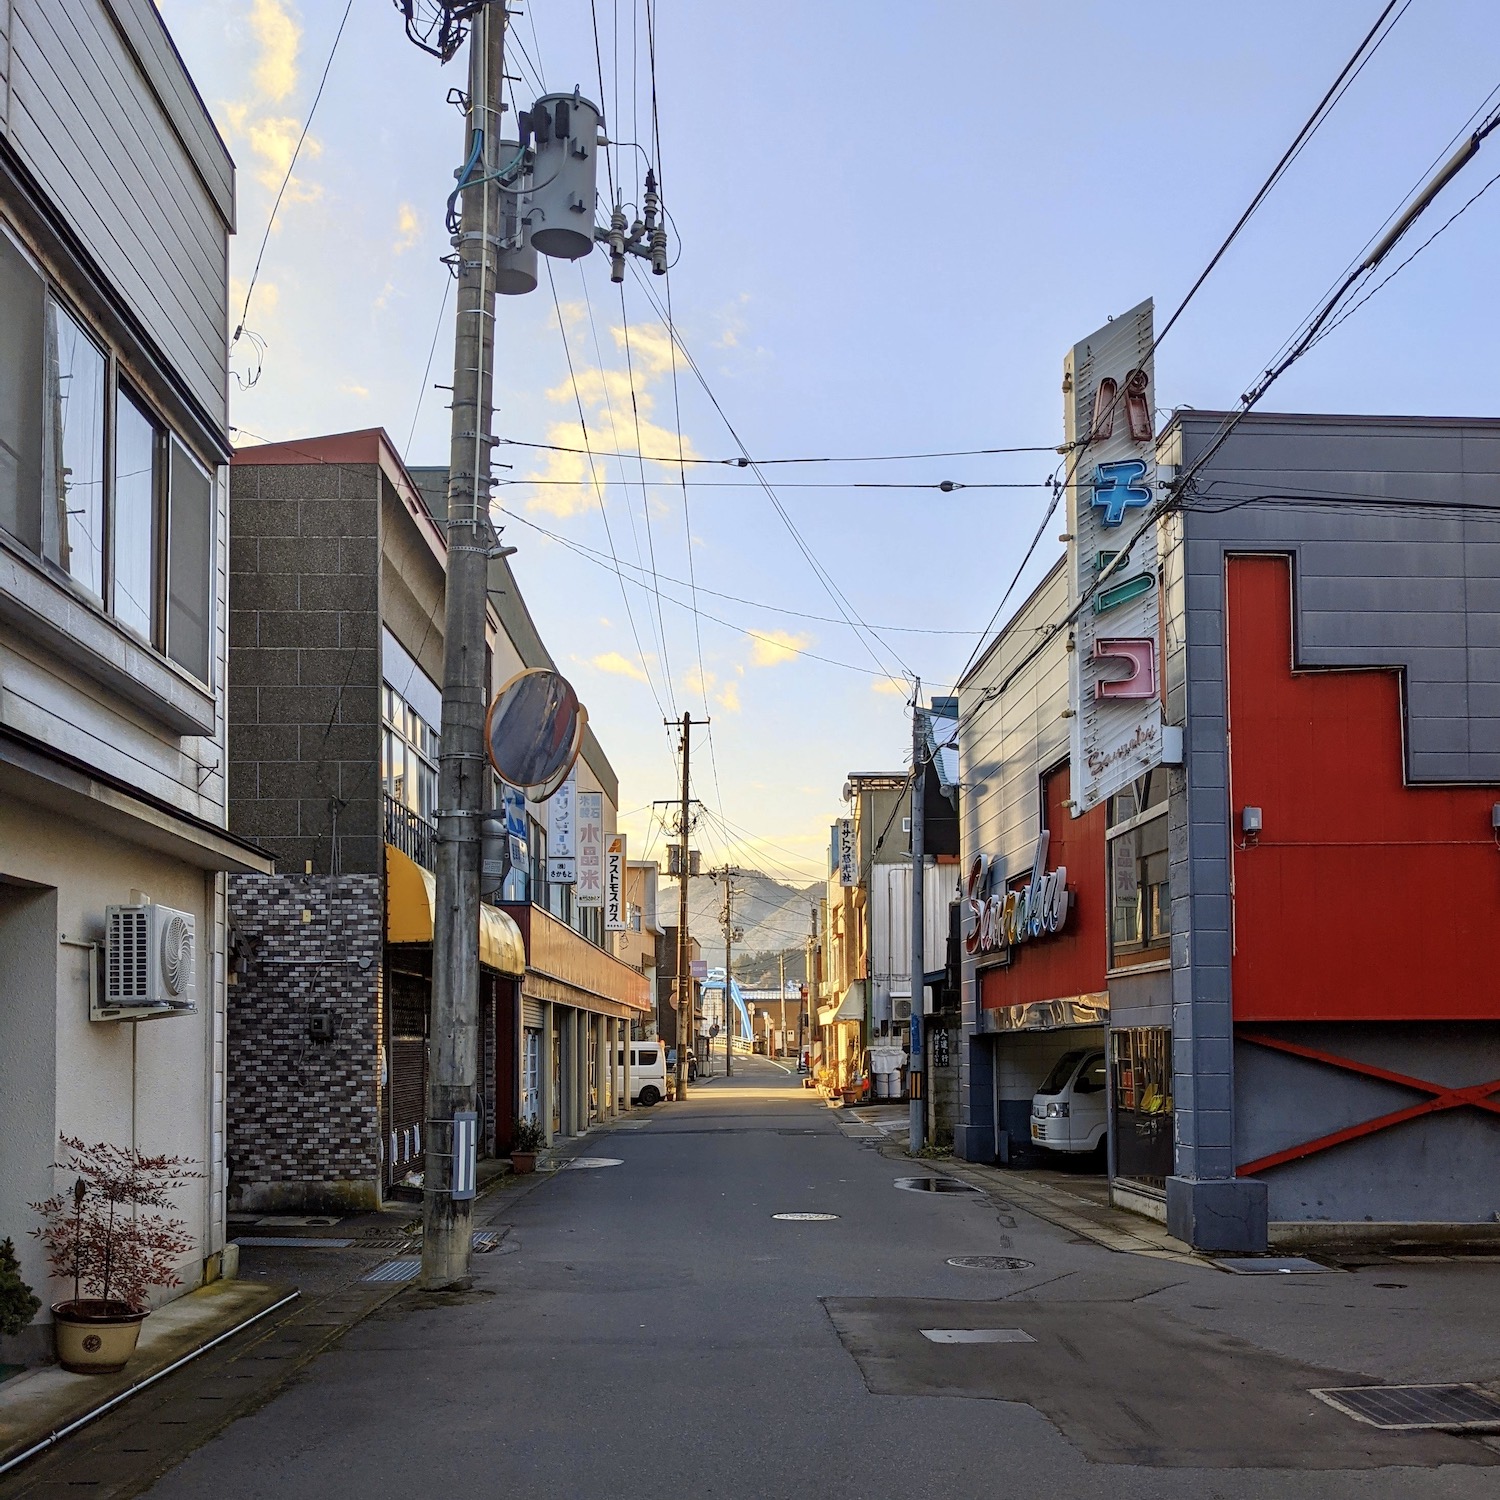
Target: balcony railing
x,y
410,832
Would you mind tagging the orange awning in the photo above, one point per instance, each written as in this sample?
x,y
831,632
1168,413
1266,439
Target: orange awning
x,y
410,895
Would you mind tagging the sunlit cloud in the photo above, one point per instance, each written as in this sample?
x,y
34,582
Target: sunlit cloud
x,y
350,389
408,229
768,648
732,323
619,666
728,698
275,71
888,686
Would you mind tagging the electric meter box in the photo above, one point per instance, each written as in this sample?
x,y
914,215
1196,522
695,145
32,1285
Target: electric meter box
x,y
515,262
565,175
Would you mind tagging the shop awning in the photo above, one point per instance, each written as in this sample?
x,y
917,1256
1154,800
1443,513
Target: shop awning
x,y
410,892
850,1008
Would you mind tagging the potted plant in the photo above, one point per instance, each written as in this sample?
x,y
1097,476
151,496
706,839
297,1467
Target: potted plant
x,y
526,1137
103,1237
18,1303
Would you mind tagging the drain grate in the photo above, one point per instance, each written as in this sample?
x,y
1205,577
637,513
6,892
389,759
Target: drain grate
x,y
1409,1408
587,1163
1271,1265
989,1263
485,1240
935,1185
394,1270
291,1242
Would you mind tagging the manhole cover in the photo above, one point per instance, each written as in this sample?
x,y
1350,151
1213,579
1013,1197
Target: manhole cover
x,y
1404,1408
977,1336
587,1163
394,1270
1271,1265
935,1185
989,1263
806,1218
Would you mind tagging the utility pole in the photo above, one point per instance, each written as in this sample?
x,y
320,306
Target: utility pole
x,y
684,961
916,1071
783,1002
462,766
725,920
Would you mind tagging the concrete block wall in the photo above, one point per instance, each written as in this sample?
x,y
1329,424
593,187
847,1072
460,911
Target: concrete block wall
x,y
304,662
303,1114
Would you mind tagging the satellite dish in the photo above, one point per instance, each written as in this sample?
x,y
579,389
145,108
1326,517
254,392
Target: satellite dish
x,y
533,731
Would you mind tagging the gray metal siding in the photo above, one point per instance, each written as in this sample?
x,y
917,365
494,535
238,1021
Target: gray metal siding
x,y
87,123
1006,741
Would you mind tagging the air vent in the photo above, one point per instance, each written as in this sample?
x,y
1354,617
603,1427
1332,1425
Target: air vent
x,y
127,971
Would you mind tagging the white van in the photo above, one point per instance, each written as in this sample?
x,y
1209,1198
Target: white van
x,y
648,1073
1067,1112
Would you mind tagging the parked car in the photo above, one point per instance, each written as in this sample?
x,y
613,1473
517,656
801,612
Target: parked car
x,y
648,1073
1068,1111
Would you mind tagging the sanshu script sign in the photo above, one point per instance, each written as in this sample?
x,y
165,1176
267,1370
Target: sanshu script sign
x,y
1115,670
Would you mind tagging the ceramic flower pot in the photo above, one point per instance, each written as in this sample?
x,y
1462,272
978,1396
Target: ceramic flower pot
x,y
522,1162
94,1337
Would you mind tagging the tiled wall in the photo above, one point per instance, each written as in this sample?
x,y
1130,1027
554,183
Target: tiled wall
x,y
303,1118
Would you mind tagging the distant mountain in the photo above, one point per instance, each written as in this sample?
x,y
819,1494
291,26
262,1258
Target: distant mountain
x,y
776,918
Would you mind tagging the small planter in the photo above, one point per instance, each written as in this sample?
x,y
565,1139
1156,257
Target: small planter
x,y
522,1162
95,1337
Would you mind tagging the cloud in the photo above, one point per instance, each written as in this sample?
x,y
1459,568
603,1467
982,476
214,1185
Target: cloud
x,y
408,229
619,666
275,72
733,323
270,135
350,389
889,687
650,347
728,698
770,647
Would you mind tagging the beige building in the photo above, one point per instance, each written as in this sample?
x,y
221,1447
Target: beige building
x,y
116,203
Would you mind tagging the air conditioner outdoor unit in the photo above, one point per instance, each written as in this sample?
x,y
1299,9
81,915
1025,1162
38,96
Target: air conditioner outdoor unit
x,y
150,964
901,1011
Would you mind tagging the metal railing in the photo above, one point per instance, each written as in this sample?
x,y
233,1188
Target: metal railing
x,y
410,832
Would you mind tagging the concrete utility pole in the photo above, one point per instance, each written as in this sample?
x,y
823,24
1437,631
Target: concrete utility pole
x,y
783,1002
684,961
917,1071
447,1201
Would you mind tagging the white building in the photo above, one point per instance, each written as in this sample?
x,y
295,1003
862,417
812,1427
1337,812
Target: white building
x,y
116,203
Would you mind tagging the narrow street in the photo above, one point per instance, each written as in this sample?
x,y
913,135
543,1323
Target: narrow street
x,y
651,1326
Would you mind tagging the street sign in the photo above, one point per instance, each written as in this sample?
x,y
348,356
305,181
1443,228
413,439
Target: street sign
x,y
561,871
698,968
848,854
465,1153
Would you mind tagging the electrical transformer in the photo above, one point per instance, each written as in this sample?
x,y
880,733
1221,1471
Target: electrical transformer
x,y
565,128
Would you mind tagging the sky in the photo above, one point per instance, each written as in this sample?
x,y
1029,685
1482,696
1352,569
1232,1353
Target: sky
x,y
889,224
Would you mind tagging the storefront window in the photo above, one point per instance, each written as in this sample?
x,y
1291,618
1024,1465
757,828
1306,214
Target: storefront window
x,y
1142,1102
1140,891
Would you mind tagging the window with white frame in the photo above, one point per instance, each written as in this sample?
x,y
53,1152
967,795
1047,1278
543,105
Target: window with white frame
x,y
92,483
1140,890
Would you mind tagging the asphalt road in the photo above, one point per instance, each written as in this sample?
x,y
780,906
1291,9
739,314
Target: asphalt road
x,y
654,1329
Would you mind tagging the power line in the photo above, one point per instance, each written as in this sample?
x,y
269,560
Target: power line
x,y
599,493
744,463
427,368
281,192
945,485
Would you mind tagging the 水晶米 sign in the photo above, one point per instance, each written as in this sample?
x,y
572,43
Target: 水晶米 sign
x,y
616,918
588,889
1115,674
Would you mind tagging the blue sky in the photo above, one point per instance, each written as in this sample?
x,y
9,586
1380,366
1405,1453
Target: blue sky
x,y
893,222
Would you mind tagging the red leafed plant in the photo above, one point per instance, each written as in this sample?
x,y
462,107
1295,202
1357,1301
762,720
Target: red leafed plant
x,y
97,1236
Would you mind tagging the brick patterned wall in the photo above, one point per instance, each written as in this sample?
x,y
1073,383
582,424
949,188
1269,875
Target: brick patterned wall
x,y
304,1127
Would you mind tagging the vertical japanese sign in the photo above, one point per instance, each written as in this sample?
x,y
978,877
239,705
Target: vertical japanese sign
x,y
848,853
1115,671
562,865
589,826
616,917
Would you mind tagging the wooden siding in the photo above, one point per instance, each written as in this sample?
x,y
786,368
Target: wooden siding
x,y
84,118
